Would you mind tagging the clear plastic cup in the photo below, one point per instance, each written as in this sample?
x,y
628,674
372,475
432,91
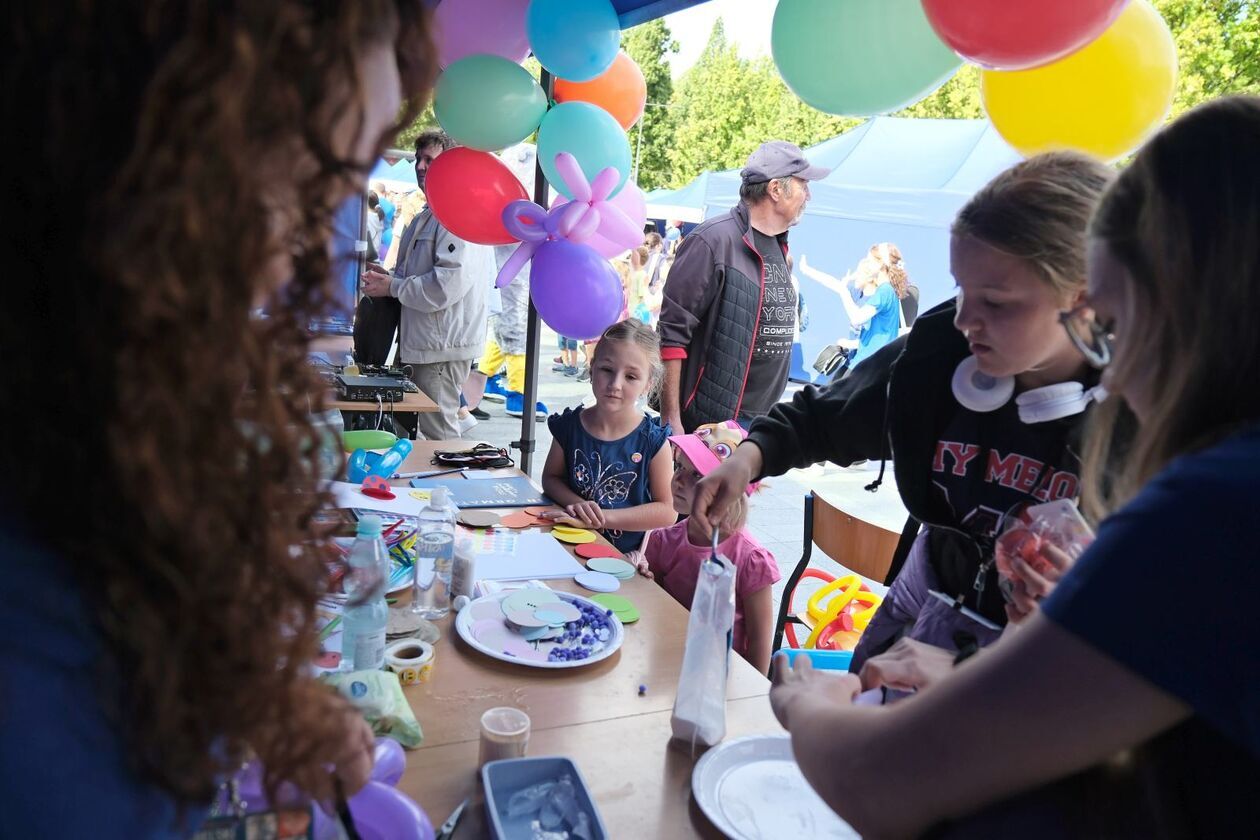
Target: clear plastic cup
x,y
504,734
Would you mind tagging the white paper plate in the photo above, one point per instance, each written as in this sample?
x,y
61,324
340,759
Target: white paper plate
x,y
752,789
464,622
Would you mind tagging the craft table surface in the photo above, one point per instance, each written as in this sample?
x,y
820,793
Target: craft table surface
x,y
620,740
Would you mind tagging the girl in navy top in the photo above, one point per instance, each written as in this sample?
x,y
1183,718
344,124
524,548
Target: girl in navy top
x,y
609,467
1147,647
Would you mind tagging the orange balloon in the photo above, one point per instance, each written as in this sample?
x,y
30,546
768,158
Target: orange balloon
x,y
620,90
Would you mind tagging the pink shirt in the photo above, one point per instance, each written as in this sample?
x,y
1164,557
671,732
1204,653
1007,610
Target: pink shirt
x,y
676,564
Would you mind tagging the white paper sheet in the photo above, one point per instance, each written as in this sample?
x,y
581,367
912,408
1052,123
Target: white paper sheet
x,y
534,555
347,495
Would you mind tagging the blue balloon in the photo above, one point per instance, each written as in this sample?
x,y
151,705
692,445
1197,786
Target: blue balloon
x,y
363,463
574,39
591,135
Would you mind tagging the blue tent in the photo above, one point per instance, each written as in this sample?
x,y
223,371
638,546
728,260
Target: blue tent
x,y
893,180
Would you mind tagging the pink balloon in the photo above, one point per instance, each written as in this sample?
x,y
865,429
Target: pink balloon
x,y
633,203
467,27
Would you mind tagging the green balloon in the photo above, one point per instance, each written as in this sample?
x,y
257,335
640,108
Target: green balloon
x,y
859,57
489,103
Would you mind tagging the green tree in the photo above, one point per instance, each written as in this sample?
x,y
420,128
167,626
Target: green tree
x,y
649,44
1218,48
726,106
406,139
957,99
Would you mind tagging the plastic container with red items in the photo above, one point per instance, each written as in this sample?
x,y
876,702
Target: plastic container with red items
x,y
1058,523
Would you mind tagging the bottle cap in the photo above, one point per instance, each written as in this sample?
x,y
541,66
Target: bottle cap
x,y
437,497
369,526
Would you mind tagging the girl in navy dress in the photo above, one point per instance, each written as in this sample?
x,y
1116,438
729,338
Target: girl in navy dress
x,y
609,468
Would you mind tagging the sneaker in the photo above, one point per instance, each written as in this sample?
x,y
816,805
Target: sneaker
x,y
515,407
585,375
466,423
569,370
558,367
559,360
495,392
479,414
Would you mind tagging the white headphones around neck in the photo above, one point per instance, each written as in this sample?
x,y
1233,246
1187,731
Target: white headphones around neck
x,y
982,393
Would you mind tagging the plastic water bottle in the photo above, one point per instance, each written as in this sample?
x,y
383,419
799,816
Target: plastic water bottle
x,y
329,426
435,553
363,637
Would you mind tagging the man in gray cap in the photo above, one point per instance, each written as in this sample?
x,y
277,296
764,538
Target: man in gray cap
x,y
730,310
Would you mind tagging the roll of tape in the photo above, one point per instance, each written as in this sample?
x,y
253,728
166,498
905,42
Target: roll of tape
x,y
411,660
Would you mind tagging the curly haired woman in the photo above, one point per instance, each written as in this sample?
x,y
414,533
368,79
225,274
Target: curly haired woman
x,y
158,631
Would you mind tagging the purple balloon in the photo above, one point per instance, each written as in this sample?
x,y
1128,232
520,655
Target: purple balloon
x,y
576,291
388,761
382,813
466,27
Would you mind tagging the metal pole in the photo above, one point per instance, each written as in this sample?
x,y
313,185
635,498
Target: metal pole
x,y
533,330
638,148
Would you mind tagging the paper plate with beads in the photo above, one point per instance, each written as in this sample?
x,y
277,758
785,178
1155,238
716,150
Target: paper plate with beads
x,y
497,626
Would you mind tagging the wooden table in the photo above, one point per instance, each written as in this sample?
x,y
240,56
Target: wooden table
x,y
410,404
620,740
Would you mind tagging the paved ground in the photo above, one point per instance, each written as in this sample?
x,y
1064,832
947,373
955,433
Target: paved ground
x,y
777,512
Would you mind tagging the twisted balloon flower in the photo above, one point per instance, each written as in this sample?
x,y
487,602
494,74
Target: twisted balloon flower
x,y
577,221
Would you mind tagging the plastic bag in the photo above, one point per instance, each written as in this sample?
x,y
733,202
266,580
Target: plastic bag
x,y
378,695
700,706
1058,523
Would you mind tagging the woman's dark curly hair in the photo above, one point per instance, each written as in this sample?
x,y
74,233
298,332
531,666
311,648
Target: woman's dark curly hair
x,y
170,159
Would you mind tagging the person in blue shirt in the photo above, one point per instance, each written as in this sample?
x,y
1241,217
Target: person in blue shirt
x,y
881,281
1128,704
608,467
161,550
388,208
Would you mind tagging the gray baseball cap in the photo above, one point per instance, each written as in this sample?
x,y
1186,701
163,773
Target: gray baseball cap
x,y
779,159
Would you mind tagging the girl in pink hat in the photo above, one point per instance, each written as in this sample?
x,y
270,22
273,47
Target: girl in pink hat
x,y
670,558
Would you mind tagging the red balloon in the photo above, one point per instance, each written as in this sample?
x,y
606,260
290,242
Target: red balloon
x,y
467,191
1019,34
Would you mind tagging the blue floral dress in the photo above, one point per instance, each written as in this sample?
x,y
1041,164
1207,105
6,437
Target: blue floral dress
x,y
611,473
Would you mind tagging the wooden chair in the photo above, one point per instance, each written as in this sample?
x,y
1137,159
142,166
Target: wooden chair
x,y
863,547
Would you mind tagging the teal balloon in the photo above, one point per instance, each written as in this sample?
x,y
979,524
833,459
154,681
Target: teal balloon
x,y
859,57
574,39
591,135
488,103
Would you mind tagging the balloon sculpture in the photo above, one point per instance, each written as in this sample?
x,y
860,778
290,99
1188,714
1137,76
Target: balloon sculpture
x,y
380,812
633,203
575,289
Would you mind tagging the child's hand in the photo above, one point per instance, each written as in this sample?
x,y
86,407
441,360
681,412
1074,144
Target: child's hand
x,y
561,517
638,559
587,513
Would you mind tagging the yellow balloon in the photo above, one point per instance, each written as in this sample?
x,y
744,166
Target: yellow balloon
x,y
1104,99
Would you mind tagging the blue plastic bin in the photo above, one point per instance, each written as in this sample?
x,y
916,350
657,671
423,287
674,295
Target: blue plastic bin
x,y
826,660
501,779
